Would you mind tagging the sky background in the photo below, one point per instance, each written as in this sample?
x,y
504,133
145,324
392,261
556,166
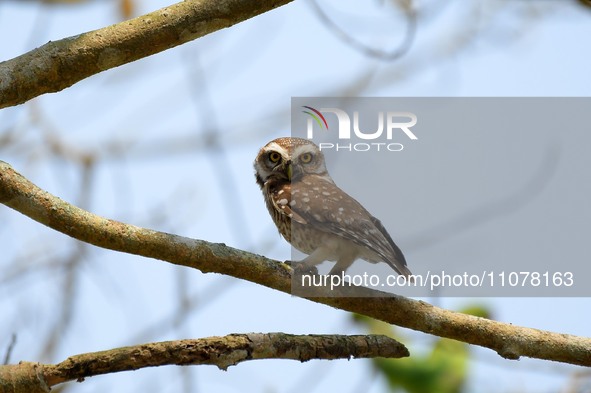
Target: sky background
x,y
173,137
492,163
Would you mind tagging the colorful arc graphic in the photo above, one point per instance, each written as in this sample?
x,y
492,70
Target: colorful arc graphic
x,y
316,112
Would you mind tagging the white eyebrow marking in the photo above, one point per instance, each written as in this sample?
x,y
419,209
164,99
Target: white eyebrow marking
x,y
274,146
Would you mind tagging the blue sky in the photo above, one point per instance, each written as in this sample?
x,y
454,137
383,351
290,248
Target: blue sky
x,y
145,122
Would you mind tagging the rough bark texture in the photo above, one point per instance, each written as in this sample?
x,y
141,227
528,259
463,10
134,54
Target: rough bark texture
x,y
24,377
219,351
511,342
60,64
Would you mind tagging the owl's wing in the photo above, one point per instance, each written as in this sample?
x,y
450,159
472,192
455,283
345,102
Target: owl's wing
x,y
399,261
326,207
281,201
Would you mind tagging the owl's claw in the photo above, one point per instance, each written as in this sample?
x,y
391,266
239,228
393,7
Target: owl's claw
x,y
300,268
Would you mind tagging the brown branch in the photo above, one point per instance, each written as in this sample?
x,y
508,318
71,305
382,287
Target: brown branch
x,y
509,341
60,64
219,351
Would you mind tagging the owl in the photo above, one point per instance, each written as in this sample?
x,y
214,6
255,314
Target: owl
x,y
314,215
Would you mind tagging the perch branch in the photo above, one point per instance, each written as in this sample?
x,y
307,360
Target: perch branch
x,y
509,341
60,64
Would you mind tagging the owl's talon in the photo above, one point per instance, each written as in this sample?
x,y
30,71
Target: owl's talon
x,y
302,268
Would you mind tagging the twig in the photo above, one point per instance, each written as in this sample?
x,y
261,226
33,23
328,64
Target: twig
x,y
11,345
391,55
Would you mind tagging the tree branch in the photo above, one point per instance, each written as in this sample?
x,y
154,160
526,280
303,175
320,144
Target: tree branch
x,y
219,351
60,64
509,341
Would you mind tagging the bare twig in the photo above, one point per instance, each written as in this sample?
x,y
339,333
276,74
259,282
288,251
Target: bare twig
x,y
395,54
511,342
11,345
60,64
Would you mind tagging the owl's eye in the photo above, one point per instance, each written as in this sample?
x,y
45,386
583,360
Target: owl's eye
x,y
306,158
274,157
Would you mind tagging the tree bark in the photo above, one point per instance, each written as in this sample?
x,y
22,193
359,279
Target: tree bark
x,y
60,64
27,377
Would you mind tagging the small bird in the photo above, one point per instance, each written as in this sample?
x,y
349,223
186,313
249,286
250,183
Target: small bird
x,y
314,215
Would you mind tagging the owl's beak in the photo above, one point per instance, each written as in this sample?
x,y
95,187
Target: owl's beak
x,y
289,171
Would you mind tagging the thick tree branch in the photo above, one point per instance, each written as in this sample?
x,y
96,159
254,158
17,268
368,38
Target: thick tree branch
x,y
509,341
219,351
60,64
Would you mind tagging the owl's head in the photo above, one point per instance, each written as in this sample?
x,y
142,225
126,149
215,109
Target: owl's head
x,y
288,159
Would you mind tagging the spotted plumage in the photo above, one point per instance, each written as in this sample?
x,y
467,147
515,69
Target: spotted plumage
x,y
316,216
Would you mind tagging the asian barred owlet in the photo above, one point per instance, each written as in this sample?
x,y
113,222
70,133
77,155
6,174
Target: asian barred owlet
x,y
316,216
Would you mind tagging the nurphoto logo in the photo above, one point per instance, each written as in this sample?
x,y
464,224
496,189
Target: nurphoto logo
x,y
395,124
